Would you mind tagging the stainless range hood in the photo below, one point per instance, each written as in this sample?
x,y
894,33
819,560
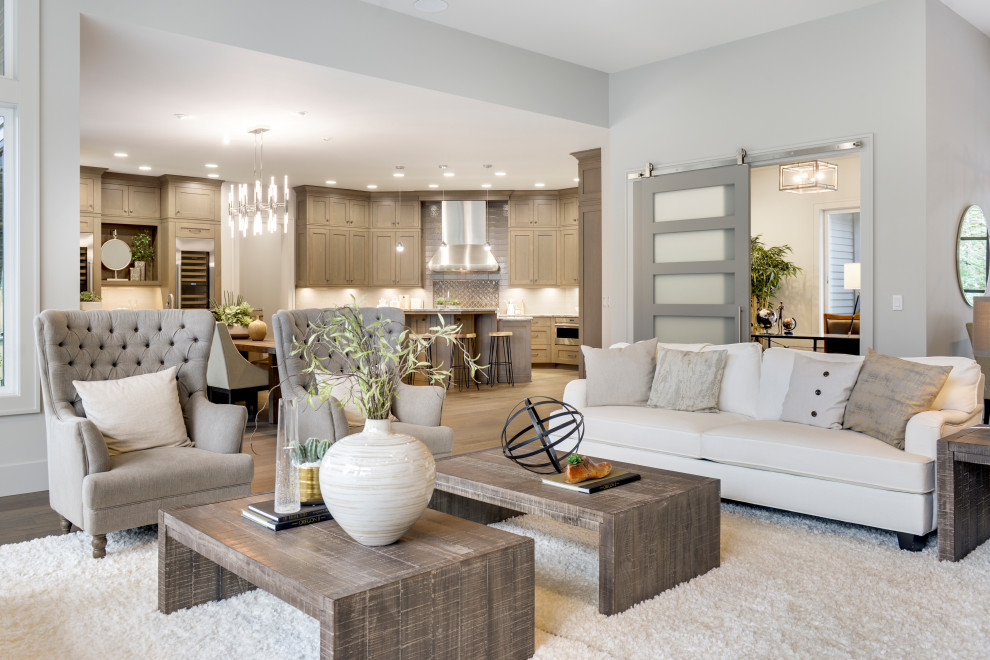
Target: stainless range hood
x,y
464,232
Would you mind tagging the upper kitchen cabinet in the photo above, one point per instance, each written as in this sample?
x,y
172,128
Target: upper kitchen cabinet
x,y
392,267
530,212
191,198
130,196
328,256
357,213
532,257
331,207
567,207
568,259
89,189
393,214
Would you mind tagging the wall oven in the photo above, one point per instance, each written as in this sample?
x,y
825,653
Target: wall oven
x,y
194,272
566,331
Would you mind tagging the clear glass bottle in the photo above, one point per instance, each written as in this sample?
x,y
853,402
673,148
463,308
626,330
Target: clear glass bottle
x,y
286,472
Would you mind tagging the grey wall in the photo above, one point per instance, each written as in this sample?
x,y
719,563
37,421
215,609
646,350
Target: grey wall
x,y
852,74
958,158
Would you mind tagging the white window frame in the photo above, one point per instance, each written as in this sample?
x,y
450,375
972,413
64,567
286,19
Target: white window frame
x,y
822,212
20,107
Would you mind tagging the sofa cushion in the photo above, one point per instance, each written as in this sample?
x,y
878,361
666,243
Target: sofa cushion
x,y
889,392
741,378
655,429
620,376
775,377
818,391
687,380
836,455
961,389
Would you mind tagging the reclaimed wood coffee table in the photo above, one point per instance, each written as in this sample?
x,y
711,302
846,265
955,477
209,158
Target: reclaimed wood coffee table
x,y
653,533
963,463
449,588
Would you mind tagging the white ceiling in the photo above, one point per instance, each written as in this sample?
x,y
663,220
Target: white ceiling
x,y
976,12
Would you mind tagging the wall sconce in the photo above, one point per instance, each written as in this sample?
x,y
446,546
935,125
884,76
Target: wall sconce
x,y
811,176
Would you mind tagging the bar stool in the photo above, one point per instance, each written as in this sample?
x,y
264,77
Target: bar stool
x,y
500,341
460,373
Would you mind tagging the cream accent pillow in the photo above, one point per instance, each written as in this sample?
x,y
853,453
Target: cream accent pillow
x,y
818,391
687,380
888,393
135,413
620,376
347,392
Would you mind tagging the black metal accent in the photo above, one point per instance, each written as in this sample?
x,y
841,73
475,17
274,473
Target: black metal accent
x,y
911,542
544,433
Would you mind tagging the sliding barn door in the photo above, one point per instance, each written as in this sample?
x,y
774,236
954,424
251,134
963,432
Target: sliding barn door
x,y
691,256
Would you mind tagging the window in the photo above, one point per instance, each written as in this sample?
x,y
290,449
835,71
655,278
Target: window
x,y
841,246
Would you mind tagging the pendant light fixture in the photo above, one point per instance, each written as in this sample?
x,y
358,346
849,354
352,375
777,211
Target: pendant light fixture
x,y
443,190
488,245
399,247
245,212
811,176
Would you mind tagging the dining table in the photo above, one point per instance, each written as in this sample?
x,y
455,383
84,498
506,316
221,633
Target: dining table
x,y
266,347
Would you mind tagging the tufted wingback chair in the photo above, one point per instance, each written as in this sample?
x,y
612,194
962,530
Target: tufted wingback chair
x,y
417,409
101,493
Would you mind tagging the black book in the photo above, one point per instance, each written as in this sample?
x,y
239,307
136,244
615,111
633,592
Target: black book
x,y
613,479
277,526
267,509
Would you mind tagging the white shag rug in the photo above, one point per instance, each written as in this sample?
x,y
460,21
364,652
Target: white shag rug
x,y
789,586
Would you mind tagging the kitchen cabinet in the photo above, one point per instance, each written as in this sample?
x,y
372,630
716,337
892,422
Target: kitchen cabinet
x,y
565,354
568,258
313,257
127,200
357,213
532,257
193,202
392,214
533,213
326,256
542,341
392,268
568,211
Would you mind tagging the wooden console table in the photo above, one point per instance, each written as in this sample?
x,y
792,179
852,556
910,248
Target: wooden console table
x,y
963,492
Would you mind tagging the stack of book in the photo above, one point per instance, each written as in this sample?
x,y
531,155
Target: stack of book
x,y
611,480
263,513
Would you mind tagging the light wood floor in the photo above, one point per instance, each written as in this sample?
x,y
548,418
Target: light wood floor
x,y
476,416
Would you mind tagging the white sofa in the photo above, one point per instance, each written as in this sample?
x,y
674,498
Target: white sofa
x,y
833,473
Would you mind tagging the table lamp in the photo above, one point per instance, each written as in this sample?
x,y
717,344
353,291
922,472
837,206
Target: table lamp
x,y
851,280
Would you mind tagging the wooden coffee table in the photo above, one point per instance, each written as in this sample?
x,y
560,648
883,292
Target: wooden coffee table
x,y
653,533
449,588
963,463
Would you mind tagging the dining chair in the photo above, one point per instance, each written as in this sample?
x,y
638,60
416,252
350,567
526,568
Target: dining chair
x,y
230,377
841,324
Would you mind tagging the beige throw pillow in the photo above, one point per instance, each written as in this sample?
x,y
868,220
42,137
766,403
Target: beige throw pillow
x,y
888,393
135,413
620,376
818,391
687,380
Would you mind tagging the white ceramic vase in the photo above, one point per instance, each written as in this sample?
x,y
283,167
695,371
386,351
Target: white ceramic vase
x,y
377,483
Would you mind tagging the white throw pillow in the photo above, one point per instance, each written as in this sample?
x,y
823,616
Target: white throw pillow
x,y
818,391
961,389
620,376
346,390
741,378
135,413
694,348
775,377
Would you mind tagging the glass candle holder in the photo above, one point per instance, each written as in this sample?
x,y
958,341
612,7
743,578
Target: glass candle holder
x,y
286,473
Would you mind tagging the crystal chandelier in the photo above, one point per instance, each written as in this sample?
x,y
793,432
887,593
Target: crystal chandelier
x,y
256,212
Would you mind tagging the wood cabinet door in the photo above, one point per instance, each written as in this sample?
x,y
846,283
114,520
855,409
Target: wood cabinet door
x,y
337,212
567,257
318,253
359,254
545,257
545,212
87,195
317,210
114,197
144,202
568,212
521,250
383,214
409,262
195,203
337,250
383,258
357,214
521,213
409,215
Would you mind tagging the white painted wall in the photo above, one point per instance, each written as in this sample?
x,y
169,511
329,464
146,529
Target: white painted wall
x,y
958,159
763,94
789,219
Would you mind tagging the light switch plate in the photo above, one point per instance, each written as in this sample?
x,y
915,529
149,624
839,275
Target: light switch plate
x,y
898,303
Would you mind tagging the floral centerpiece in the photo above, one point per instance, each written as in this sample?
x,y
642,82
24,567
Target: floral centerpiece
x,y
234,312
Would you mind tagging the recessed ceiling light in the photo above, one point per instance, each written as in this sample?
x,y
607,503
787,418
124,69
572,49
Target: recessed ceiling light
x,y
448,174
434,185
327,138
430,6
301,113
372,186
539,185
180,116
213,175
576,179
144,167
120,154
331,183
486,185
487,166
212,165
500,174
398,174
226,139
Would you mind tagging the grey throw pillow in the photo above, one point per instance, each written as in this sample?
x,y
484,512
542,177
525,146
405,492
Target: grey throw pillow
x,y
818,391
620,376
687,380
888,393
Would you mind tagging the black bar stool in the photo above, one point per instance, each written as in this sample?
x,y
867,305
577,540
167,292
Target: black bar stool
x,y
500,342
460,373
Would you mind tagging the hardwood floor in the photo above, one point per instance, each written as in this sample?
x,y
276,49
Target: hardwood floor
x,y
476,416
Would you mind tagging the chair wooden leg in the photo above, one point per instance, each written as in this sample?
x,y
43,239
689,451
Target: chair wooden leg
x,y
99,546
64,524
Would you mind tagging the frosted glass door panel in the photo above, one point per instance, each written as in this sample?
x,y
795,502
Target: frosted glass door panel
x,y
695,329
694,203
694,289
707,245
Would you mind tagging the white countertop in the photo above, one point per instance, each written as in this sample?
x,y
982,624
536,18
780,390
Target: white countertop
x,y
459,310
514,317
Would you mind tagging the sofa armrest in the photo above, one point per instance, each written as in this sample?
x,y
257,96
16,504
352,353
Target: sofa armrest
x,y
76,439
924,429
216,427
576,393
418,404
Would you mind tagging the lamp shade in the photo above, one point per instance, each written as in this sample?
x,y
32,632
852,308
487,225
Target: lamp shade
x,y
851,276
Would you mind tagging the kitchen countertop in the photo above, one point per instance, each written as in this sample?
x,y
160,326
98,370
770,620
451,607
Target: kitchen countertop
x,y
514,317
459,310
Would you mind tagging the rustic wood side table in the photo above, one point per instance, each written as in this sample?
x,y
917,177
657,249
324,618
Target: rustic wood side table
x,y
449,588
963,492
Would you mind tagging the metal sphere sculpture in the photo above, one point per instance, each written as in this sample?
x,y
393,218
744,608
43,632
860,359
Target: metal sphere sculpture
x,y
765,318
789,324
540,433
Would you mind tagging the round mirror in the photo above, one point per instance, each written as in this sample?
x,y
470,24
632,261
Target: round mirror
x,y
116,254
972,253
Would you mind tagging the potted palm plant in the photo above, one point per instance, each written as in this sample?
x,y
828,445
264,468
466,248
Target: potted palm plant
x,y
234,312
769,268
